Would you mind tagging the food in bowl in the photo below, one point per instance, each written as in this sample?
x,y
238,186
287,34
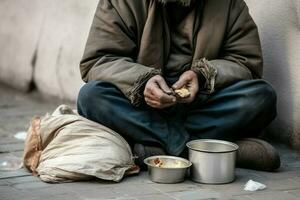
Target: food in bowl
x,y
158,162
167,169
168,163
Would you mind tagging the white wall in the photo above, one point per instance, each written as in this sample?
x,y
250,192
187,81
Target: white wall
x,y
279,27
43,41
61,45
54,32
20,24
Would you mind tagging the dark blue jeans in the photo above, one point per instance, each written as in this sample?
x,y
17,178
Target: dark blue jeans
x,y
240,110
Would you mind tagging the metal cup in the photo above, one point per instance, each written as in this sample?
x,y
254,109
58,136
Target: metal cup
x,y
213,161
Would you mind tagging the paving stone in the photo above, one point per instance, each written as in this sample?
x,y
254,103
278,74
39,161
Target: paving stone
x,y
155,196
234,188
12,156
56,196
294,193
238,197
167,188
4,148
296,178
275,195
24,179
3,182
31,185
9,193
123,198
88,190
294,164
141,178
56,192
5,188
6,192
228,189
196,194
8,140
244,175
283,174
133,190
18,154
284,184
16,173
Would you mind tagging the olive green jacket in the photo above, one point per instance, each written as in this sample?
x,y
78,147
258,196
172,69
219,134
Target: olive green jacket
x,y
129,42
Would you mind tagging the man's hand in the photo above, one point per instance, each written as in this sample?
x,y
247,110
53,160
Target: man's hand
x,y
158,94
189,80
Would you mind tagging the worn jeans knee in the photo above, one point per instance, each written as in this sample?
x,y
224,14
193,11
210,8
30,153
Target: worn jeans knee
x,y
89,96
261,97
259,105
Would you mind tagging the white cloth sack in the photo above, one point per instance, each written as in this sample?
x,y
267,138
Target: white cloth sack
x,y
74,148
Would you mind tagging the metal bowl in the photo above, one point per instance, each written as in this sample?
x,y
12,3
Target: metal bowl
x,y
171,170
213,161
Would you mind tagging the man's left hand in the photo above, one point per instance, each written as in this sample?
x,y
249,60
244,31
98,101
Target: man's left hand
x,y
188,79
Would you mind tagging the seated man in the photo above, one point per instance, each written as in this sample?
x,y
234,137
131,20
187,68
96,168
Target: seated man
x,y
140,51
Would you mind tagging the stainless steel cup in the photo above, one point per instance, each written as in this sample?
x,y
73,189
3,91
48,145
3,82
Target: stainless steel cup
x,y
213,161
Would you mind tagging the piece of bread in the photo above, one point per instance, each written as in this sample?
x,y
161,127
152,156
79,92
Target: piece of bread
x,y
182,92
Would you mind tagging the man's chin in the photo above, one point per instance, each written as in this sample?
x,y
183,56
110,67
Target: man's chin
x,y
183,2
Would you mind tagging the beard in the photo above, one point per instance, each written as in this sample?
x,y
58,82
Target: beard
x,y
183,2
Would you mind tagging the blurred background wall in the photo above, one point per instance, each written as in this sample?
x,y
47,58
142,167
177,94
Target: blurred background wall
x,y
279,26
42,43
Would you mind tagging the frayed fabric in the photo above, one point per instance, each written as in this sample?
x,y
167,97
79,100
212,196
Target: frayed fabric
x,y
208,71
135,95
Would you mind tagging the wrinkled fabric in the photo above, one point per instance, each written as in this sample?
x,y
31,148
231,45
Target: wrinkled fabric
x,y
129,39
207,71
227,114
181,44
65,147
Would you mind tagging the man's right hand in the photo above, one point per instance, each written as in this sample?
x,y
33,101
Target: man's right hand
x,y
157,93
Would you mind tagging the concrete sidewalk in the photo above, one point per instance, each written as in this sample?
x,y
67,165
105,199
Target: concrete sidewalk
x,y
16,109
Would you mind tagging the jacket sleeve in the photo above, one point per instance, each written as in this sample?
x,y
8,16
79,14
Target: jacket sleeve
x,y
241,55
110,53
